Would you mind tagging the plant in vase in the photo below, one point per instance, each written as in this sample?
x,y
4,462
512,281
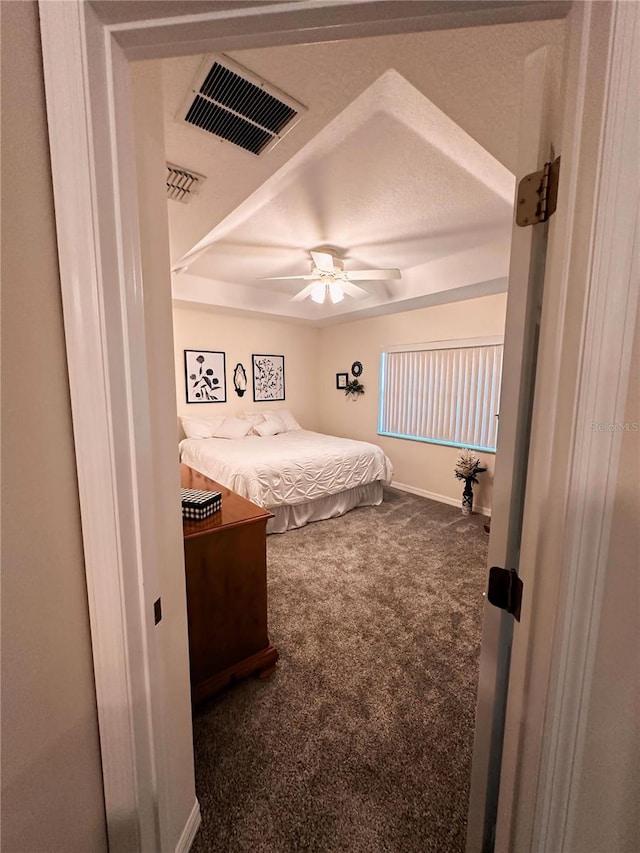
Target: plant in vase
x,y
467,469
354,388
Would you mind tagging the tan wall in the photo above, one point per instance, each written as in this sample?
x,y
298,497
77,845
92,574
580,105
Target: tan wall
x,y
419,465
52,796
239,336
314,356
609,818
172,689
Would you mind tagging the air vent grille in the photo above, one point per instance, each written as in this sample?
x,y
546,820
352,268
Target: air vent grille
x,y
182,184
247,99
228,125
231,103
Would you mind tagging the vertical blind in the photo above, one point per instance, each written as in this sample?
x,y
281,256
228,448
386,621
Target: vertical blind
x,y
448,395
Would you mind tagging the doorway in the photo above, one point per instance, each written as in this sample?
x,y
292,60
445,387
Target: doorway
x,y
119,367
420,52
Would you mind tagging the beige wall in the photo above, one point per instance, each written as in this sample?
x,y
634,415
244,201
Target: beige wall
x,y
421,466
172,689
611,821
314,356
239,336
51,775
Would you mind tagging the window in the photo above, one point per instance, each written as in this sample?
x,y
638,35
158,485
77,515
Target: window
x,y
445,392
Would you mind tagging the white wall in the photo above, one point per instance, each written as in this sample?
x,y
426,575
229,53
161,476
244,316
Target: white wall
x,y
239,336
52,795
314,356
424,467
172,688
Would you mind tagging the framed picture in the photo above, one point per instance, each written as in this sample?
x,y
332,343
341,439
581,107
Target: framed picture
x,y
205,378
268,377
341,380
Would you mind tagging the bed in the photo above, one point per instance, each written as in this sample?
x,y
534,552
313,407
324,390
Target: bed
x,y
299,475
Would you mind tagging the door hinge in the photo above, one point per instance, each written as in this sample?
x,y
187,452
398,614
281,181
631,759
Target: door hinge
x,y
157,611
505,590
538,195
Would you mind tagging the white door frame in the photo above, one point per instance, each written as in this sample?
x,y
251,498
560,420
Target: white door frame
x,y
584,379
89,112
588,316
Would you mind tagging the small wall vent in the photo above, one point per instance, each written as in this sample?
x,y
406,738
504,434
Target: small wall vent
x,y
230,102
182,184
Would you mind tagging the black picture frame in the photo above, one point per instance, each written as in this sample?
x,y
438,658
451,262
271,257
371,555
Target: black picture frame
x,y
268,378
356,368
205,376
341,381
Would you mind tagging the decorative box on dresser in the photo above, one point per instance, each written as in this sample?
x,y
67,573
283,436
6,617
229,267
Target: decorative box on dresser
x,y
226,573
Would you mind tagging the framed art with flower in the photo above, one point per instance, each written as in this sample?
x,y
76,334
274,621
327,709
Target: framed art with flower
x,y
268,378
205,379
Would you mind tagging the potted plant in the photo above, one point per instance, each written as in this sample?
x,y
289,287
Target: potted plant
x,y
467,469
354,388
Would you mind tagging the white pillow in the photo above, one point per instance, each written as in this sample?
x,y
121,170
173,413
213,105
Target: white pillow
x,y
232,428
273,418
269,427
285,416
201,427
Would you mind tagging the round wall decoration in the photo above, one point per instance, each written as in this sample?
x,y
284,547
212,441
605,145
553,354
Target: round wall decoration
x,y
356,368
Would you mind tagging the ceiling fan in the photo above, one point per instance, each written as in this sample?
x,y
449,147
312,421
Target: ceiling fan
x,y
328,279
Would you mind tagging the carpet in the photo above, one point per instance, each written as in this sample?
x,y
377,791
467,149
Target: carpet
x,y
361,740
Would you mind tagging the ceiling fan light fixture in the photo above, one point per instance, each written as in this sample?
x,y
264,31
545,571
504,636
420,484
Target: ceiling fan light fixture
x,y
328,279
336,292
318,292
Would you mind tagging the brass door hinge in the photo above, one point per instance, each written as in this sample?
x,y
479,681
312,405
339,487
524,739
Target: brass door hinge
x,y
538,195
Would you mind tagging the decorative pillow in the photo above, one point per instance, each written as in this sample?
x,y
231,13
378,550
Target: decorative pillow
x,y
253,417
269,427
232,428
286,417
201,427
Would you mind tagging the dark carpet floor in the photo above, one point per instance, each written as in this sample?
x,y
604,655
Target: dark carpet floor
x,y
361,741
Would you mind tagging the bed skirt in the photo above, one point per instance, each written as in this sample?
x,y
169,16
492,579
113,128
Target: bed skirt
x,y
297,515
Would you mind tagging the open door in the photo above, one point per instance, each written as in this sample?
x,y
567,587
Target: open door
x,y
526,278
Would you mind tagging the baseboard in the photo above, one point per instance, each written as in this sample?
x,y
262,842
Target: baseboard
x,y
443,499
190,828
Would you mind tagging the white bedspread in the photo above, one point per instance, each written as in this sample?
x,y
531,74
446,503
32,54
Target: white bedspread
x,y
291,468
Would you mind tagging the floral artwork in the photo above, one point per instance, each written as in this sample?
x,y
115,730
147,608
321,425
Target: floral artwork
x,y
268,377
205,376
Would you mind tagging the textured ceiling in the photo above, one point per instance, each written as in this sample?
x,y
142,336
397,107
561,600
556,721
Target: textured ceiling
x,y
402,160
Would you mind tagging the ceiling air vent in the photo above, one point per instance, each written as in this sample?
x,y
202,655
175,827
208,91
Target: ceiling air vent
x,y
233,104
182,184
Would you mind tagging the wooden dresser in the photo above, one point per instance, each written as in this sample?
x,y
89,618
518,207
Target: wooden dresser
x,y
226,569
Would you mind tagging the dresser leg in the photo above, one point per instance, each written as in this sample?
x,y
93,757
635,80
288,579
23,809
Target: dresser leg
x,y
265,673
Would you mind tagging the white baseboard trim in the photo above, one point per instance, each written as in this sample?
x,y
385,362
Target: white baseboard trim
x,y
190,828
443,499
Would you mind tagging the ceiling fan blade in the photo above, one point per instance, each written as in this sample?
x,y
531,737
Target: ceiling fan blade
x,y
286,277
323,261
373,275
354,290
306,291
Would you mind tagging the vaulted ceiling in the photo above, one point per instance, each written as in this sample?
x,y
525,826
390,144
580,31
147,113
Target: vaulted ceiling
x,y
404,158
